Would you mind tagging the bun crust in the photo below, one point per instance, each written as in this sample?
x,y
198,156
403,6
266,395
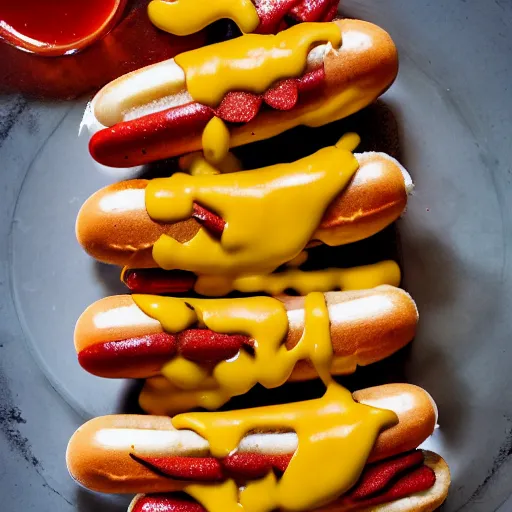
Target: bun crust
x,y
369,337
418,425
112,470
375,197
366,326
125,236
87,331
115,232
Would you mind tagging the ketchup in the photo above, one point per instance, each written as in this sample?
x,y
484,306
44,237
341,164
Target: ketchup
x,y
56,26
133,42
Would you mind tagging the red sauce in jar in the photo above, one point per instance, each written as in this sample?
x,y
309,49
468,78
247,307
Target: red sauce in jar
x,y
38,25
133,42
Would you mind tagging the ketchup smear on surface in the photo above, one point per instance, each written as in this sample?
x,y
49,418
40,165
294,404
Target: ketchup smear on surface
x,y
55,22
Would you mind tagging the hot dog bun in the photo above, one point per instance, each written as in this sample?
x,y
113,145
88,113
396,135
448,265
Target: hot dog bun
x,y
366,325
424,501
358,72
98,454
114,227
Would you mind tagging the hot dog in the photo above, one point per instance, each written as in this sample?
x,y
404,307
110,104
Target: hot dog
x,y
406,487
139,337
159,111
127,454
115,224
115,338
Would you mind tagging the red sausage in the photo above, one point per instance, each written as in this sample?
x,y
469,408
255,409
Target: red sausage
x,y
203,345
199,345
380,483
144,139
153,349
212,222
157,281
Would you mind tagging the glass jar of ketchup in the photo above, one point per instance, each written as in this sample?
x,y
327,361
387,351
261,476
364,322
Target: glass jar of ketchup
x,y
91,43
57,27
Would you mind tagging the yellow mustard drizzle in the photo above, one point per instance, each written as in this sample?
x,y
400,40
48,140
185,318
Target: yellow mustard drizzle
x,y
252,62
269,221
215,157
335,437
162,398
303,282
195,164
215,141
264,320
185,17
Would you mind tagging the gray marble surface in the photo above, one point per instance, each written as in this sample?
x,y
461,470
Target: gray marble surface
x,y
453,108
